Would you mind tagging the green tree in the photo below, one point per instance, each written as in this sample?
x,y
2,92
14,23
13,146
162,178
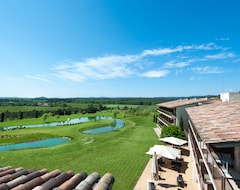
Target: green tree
x,y
21,115
45,116
2,117
115,114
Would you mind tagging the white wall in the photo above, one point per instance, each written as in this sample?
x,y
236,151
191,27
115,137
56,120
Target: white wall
x,y
229,96
181,112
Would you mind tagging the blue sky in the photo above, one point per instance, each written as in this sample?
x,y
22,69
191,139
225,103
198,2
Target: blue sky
x,y
108,48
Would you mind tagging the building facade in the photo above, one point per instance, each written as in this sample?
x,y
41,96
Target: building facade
x,y
174,112
229,96
212,127
214,142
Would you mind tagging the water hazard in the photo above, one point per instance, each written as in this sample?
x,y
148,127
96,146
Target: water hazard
x,y
118,124
60,123
34,144
57,141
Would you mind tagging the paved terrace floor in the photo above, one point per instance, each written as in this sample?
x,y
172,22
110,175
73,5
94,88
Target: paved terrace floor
x,y
168,177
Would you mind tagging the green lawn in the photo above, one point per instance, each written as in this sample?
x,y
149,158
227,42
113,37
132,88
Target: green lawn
x,y
121,152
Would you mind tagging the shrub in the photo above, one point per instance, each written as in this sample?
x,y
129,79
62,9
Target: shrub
x,y
172,131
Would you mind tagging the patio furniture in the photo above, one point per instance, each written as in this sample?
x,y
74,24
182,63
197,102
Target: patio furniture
x,y
176,165
174,141
151,186
227,159
180,180
165,151
161,161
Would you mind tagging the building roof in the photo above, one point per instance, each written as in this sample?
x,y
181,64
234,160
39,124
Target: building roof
x,y
31,179
182,102
218,122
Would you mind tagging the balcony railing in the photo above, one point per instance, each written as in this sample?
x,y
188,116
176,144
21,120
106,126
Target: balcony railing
x,y
165,121
213,173
166,113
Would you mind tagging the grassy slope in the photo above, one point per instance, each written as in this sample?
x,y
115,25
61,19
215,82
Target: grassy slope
x,y
120,152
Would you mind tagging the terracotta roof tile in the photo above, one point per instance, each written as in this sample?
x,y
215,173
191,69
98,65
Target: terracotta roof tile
x,y
218,122
182,102
19,178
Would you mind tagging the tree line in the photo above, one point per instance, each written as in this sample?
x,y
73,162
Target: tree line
x,y
67,106
7,115
62,101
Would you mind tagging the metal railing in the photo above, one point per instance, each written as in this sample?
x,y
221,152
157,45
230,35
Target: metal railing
x,y
216,176
167,113
166,121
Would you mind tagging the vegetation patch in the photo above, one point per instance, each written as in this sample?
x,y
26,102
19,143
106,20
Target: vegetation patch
x,y
172,131
18,138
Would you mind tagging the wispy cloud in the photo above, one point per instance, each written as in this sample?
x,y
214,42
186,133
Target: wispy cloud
x,y
155,74
219,56
173,64
207,70
147,63
161,51
97,68
37,77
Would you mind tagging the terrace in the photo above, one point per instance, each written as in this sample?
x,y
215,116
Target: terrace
x,y
168,175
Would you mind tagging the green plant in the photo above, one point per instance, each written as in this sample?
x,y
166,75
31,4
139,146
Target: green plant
x,y
172,131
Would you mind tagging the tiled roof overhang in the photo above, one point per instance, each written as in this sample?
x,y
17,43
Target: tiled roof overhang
x,y
31,179
182,102
218,122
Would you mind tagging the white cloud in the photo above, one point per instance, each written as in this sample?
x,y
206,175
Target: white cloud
x,y
161,51
155,73
37,77
219,56
208,46
97,68
173,64
164,51
70,75
207,70
143,64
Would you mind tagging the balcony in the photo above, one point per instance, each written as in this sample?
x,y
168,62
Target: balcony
x,y
166,121
213,174
166,113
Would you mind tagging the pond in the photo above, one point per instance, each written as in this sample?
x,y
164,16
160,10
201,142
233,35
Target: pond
x,y
60,123
57,141
118,124
34,144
